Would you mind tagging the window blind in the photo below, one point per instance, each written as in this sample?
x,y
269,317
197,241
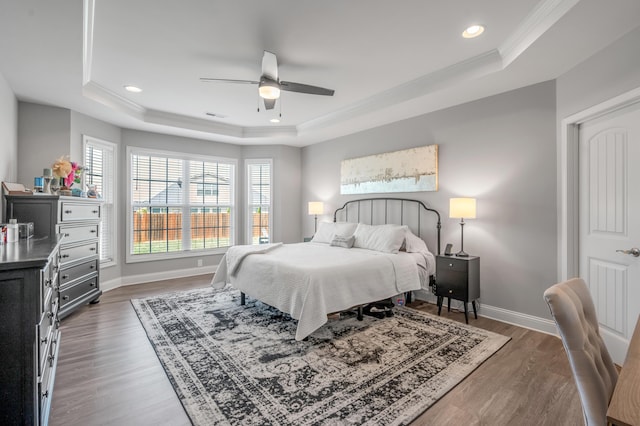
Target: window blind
x,y
259,179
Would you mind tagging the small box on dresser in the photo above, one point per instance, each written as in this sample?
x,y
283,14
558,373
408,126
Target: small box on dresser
x,y
78,221
28,329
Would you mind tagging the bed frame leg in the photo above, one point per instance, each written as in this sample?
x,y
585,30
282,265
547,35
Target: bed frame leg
x,y
242,298
360,314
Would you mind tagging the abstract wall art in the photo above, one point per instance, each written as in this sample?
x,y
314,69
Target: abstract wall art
x,y
409,170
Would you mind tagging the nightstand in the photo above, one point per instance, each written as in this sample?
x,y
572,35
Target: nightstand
x,y
458,278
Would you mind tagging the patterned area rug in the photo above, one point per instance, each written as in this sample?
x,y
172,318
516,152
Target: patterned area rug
x,y
240,365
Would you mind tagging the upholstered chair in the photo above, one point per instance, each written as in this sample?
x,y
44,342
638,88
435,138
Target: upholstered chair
x,y
595,375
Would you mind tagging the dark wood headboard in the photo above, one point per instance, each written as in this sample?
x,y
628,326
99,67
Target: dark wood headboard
x,y
400,211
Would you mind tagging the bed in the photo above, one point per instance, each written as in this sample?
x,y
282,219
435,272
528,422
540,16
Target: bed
x,y
374,249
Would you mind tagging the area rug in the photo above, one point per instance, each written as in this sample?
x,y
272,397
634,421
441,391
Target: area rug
x,y
240,365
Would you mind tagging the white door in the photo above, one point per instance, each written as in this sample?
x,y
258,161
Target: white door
x,y
610,222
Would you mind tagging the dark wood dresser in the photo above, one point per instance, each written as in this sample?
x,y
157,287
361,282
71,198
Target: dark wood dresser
x,y
78,220
29,335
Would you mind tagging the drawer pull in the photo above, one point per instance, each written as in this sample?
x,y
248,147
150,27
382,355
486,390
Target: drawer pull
x,y
93,231
51,359
95,211
67,234
65,276
56,269
92,248
45,394
92,266
44,340
47,283
68,211
65,297
49,314
93,284
64,256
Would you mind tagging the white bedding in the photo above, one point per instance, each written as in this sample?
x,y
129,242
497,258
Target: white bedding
x,y
310,280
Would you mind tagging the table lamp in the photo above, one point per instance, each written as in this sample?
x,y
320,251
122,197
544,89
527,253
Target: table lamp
x,y
316,208
462,208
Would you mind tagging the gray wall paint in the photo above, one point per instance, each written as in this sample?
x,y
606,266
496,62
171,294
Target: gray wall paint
x,y
500,150
8,136
44,134
611,72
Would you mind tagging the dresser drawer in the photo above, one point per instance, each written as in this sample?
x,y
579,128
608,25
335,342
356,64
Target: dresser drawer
x,y
68,275
72,211
74,234
76,291
70,254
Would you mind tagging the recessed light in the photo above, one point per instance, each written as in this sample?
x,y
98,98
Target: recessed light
x,y
473,31
275,120
132,89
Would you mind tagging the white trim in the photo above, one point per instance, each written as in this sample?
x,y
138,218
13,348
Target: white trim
x,y
155,276
531,322
249,216
568,179
540,20
113,147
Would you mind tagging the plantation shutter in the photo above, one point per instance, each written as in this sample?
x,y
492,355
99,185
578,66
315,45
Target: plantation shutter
x,y
259,201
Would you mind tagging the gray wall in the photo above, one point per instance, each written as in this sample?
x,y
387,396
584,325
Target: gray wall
x,y
43,137
502,151
611,72
8,137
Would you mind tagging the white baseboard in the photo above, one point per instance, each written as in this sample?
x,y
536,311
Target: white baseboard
x,y
531,322
155,276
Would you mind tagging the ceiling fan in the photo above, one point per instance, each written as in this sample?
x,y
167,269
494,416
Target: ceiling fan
x,y
269,86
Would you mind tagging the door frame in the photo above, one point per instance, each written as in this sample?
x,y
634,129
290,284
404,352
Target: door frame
x,y
569,180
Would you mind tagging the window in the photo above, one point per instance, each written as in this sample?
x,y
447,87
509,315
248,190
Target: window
x,y
180,205
259,201
99,160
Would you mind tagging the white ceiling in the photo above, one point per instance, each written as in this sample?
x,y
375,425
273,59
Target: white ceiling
x,y
386,61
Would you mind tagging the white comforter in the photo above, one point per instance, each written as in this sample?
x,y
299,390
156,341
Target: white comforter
x,y
310,280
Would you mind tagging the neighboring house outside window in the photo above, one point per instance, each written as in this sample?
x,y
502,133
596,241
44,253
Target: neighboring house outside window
x,y
259,196
99,160
179,204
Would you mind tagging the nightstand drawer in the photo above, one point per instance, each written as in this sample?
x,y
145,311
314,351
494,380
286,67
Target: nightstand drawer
x,y
452,264
74,234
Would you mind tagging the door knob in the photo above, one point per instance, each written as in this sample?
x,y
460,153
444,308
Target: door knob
x,y
632,251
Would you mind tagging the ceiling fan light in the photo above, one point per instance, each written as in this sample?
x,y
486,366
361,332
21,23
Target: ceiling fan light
x,y
269,89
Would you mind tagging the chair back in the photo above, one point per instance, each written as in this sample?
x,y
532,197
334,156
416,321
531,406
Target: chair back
x,y
593,370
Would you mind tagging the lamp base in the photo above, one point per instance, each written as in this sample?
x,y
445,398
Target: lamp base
x,y
462,254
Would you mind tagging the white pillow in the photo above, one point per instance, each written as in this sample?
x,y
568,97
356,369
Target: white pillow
x,y
414,244
384,238
327,230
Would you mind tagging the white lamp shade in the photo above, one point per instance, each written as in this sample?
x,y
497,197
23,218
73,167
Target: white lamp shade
x,y
462,208
316,207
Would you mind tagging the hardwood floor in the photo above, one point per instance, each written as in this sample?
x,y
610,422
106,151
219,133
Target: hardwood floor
x,y
108,373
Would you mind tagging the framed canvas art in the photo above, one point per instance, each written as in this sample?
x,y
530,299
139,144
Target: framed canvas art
x,y
409,170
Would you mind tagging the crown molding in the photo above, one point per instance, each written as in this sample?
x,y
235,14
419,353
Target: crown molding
x,y
542,17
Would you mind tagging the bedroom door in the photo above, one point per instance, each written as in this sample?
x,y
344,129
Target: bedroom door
x,y
610,222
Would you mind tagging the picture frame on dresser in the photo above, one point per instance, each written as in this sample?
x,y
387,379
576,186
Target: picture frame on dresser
x,y
77,221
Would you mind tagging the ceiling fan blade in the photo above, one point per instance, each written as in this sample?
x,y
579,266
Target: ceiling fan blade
x,y
269,103
305,88
226,80
270,66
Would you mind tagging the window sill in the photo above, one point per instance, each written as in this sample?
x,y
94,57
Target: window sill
x,y
137,258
